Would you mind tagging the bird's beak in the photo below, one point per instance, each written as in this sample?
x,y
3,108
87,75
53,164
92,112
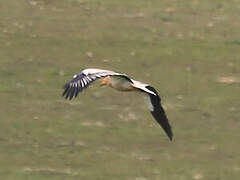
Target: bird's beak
x,y
102,83
105,81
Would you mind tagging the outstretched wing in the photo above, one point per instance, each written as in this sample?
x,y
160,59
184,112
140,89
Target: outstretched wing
x,y
154,105
82,80
142,87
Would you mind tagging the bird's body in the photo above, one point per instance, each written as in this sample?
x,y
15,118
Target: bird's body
x,y
120,82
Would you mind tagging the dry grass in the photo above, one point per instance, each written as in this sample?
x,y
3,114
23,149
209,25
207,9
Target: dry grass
x,y
188,50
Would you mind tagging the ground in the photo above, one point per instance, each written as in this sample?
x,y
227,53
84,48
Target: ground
x,y
187,50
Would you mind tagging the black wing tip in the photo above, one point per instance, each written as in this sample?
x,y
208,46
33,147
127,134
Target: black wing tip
x,y
168,130
66,88
170,135
159,113
162,120
68,92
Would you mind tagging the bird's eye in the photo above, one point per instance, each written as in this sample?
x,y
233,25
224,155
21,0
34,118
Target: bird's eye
x,y
75,76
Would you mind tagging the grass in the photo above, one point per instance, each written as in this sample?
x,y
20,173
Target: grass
x,y
188,50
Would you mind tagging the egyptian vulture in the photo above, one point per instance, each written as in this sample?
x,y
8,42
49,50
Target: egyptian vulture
x,y
120,82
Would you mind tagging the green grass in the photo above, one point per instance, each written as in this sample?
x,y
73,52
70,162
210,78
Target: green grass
x,y
182,48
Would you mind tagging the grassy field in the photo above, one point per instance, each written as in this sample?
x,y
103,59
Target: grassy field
x,y
188,50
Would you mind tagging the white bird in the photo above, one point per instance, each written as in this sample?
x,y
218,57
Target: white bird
x,y
119,82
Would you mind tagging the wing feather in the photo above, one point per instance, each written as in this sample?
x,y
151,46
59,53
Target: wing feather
x,y
82,80
158,112
141,86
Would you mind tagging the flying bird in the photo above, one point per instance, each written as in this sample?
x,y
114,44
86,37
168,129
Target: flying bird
x,y
120,82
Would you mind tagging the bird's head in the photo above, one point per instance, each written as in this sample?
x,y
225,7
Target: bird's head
x,y
106,81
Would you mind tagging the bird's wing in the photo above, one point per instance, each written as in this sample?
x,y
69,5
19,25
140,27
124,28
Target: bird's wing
x,y
154,105
141,86
83,80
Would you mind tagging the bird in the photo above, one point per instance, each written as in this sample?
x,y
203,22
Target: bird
x,y
120,82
